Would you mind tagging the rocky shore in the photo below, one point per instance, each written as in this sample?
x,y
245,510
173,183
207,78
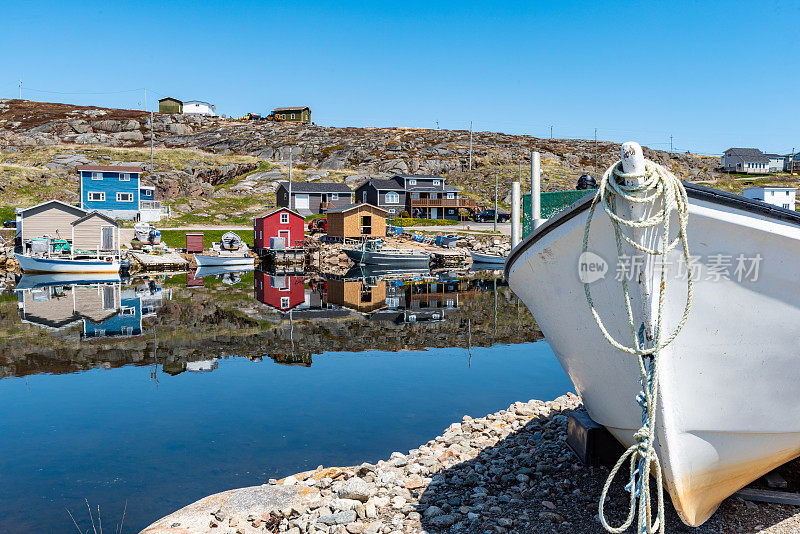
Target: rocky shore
x,y
510,471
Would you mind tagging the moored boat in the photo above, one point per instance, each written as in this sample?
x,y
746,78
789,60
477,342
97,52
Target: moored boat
x,y
726,412
372,252
205,260
34,264
487,259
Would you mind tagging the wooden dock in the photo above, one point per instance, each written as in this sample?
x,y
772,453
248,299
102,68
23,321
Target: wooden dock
x,y
160,262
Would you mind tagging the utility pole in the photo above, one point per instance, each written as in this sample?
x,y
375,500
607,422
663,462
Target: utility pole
x,y
290,178
20,88
470,145
437,124
670,144
595,150
551,131
495,202
145,98
151,142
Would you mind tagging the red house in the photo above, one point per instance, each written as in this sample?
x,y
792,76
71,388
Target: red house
x,y
280,292
280,223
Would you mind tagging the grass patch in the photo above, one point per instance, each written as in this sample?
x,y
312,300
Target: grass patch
x,y
421,222
219,210
263,166
7,213
177,238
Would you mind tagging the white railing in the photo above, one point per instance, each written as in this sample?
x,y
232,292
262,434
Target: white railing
x,y
150,205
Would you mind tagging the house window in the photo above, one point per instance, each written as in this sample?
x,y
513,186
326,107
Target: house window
x,y
124,197
392,197
124,177
412,182
392,211
97,197
786,206
97,176
292,115
451,196
284,302
284,218
283,115
437,182
451,211
334,196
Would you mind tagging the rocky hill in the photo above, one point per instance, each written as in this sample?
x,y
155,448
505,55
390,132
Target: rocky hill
x,y
199,159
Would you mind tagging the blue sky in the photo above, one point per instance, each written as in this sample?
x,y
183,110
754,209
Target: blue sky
x,y
711,74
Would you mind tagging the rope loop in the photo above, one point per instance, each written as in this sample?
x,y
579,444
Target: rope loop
x,y
660,191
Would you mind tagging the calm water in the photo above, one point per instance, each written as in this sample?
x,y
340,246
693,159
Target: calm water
x,y
157,392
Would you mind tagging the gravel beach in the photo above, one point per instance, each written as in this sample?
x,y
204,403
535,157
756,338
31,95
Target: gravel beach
x,y
510,471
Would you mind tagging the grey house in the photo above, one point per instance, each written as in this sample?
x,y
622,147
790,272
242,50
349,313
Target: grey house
x,y
746,160
313,197
422,196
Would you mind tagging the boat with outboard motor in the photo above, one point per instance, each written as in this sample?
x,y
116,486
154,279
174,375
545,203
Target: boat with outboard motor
x,y
720,380
372,252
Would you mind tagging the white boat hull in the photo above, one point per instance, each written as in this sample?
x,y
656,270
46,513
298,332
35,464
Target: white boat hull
x,y
728,409
30,264
487,259
222,261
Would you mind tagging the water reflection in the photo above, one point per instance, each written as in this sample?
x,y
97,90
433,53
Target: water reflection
x,y
215,313
97,302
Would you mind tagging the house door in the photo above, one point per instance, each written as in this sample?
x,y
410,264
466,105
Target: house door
x,y
107,237
434,213
284,234
301,202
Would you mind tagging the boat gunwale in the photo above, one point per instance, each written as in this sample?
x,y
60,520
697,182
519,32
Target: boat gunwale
x,y
694,191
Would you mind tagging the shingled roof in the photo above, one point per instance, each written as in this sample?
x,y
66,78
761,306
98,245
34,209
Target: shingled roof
x,y
317,187
747,154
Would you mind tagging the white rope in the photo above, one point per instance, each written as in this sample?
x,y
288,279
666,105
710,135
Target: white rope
x,y
658,187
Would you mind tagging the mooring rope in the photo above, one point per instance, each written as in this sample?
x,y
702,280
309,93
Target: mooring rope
x,y
658,185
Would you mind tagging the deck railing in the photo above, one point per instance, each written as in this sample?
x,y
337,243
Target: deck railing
x,y
443,203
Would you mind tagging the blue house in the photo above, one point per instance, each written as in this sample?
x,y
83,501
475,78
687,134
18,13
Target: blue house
x,y
117,191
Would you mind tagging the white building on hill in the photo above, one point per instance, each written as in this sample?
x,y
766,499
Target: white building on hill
x,y
783,197
198,107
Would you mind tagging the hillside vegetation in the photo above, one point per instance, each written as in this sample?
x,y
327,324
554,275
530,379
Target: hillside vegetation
x,y
213,170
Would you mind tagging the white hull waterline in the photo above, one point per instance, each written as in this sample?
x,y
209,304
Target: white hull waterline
x,y
729,382
223,261
397,258
487,259
30,264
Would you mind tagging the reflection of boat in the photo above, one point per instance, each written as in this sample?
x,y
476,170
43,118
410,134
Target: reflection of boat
x,y
726,411
217,270
485,266
487,259
377,271
31,281
31,264
204,260
372,252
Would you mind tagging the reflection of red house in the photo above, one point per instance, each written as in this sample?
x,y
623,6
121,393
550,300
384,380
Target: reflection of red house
x,y
280,292
279,222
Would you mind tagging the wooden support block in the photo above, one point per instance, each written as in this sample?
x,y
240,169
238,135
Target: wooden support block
x,y
591,442
760,495
775,481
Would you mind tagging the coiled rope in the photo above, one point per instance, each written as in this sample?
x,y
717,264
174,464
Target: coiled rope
x,y
659,186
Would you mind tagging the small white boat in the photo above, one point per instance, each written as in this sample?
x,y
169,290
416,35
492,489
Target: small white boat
x,y
33,264
487,259
204,260
206,270
727,410
373,252
32,281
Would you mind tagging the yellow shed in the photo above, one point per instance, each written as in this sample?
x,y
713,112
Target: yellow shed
x,y
52,218
95,232
356,221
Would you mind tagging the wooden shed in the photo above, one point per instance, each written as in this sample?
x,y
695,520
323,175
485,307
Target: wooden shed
x,y
170,105
95,232
357,294
356,221
194,242
52,218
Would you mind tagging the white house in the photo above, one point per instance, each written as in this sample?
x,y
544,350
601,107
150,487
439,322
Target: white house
x,y
783,197
746,160
198,107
